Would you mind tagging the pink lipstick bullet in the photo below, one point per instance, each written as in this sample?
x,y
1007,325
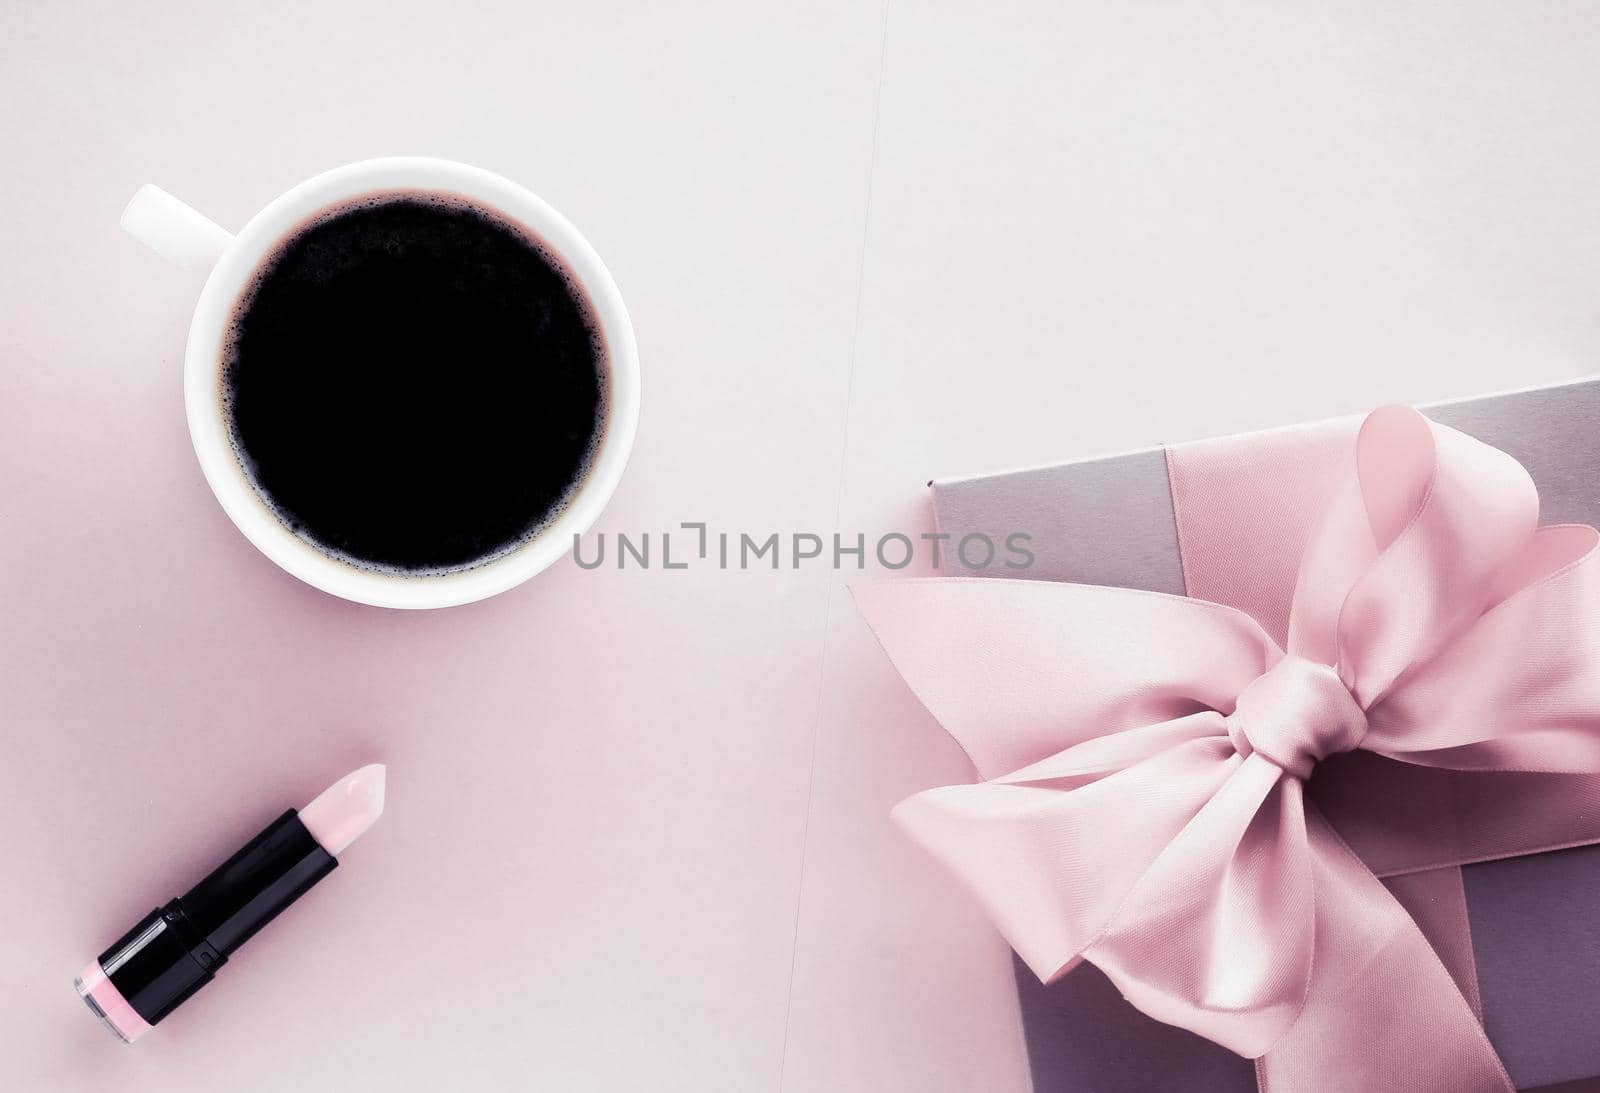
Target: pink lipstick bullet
x,y
175,950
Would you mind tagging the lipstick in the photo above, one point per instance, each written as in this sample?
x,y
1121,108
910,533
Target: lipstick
x,y
175,950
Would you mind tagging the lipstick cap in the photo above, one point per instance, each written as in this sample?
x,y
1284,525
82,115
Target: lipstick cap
x,y
159,963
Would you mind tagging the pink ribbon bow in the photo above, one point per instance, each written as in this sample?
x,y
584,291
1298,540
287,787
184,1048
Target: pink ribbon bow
x,y
1145,761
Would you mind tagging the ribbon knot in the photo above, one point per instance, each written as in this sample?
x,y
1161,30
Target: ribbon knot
x,y
1134,811
1296,715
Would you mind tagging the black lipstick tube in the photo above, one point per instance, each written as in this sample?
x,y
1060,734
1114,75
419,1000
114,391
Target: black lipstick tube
x,y
175,950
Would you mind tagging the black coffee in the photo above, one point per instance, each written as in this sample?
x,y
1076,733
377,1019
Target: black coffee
x,y
414,384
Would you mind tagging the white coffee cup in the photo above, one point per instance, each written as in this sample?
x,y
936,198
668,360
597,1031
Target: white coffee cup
x,y
186,237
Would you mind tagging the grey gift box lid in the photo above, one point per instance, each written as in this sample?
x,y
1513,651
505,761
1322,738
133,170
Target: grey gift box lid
x,y
1535,920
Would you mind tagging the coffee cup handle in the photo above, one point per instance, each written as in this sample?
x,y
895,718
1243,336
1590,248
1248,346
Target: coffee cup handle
x,y
173,230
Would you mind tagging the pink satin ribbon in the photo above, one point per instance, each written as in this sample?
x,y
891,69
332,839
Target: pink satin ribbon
x,y
1144,759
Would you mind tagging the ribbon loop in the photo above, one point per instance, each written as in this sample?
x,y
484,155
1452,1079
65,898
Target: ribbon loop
x,y
1296,715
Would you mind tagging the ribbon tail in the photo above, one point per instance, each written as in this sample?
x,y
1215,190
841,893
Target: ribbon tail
x,y
1382,1013
1436,900
1028,850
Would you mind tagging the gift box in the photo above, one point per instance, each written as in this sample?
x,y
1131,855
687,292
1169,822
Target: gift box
x,y
1152,520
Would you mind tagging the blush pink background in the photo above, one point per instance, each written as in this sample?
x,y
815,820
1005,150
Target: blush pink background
x,y
637,834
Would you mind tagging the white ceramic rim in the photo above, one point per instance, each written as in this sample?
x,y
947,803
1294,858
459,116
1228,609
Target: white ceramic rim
x,y
237,494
